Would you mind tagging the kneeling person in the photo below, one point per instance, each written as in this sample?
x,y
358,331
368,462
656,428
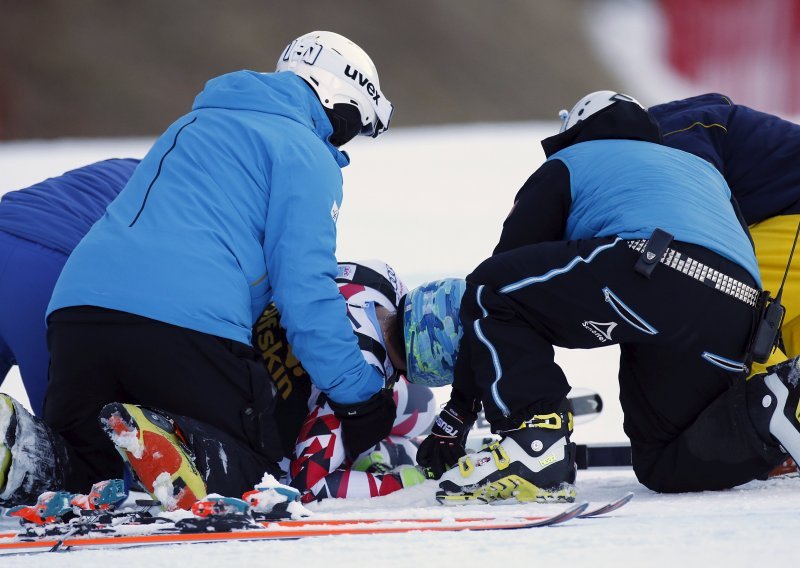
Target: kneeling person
x,y
581,264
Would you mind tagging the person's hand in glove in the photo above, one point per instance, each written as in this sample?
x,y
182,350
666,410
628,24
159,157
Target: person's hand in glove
x,y
445,445
364,424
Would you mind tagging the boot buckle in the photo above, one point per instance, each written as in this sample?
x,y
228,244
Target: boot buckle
x,y
500,456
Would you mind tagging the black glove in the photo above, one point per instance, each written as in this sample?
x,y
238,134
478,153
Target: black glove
x,y
441,449
364,424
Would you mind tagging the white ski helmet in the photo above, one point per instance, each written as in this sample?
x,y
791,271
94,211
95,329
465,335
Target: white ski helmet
x,y
340,72
366,285
592,104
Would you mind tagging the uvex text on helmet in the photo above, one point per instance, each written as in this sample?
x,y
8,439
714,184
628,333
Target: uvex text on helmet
x,y
340,72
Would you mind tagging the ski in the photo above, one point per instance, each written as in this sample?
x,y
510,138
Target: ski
x,y
311,522
608,507
125,535
160,531
584,402
603,455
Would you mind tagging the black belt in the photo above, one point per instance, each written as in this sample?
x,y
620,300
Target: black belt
x,y
703,273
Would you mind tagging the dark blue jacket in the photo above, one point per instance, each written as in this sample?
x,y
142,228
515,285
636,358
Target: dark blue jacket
x,y
757,153
59,211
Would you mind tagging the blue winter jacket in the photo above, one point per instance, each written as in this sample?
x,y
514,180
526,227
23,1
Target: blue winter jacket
x,y
235,205
59,211
758,153
628,188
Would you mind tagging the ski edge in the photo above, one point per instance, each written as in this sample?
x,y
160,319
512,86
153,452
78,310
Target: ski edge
x,y
297,530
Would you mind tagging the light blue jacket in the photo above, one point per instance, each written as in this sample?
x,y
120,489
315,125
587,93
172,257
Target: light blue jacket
x,y
235,205
628,188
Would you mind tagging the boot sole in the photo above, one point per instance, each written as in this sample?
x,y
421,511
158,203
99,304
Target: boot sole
x,y
510,487
156,455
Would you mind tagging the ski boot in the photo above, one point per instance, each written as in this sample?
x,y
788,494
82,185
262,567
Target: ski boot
x,y
391,462
32,457
389,453
535,462
156,452
774,404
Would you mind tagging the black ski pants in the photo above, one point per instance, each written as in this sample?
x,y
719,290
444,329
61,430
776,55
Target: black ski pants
x,y
217,390
683,347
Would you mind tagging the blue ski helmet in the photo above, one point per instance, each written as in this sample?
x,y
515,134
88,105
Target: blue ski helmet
x,y
432,331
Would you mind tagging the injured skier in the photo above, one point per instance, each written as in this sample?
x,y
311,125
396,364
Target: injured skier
x,y
320,463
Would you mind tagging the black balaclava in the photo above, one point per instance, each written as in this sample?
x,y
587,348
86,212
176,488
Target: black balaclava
x,y
346,121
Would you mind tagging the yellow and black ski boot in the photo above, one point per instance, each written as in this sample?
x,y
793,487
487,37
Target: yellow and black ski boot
x,y
535,462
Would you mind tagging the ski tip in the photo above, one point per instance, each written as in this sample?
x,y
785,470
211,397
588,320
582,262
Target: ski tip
x,y
608,507
566,515
577,509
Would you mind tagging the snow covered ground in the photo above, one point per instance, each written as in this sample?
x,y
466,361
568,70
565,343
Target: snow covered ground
x,y
431,201
753,524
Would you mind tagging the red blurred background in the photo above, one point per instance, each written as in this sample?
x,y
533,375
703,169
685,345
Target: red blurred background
x,y
748,49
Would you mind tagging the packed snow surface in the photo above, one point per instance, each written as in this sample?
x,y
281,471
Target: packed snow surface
x,y
753,523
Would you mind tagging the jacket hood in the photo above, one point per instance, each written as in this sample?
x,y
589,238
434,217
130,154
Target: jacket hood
x,y
283,94
620,121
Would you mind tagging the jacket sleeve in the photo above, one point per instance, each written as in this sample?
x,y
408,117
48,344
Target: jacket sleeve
x,y
300,254
762,153
540,209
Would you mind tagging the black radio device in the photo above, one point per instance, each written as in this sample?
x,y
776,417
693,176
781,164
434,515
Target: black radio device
x,y
767,334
